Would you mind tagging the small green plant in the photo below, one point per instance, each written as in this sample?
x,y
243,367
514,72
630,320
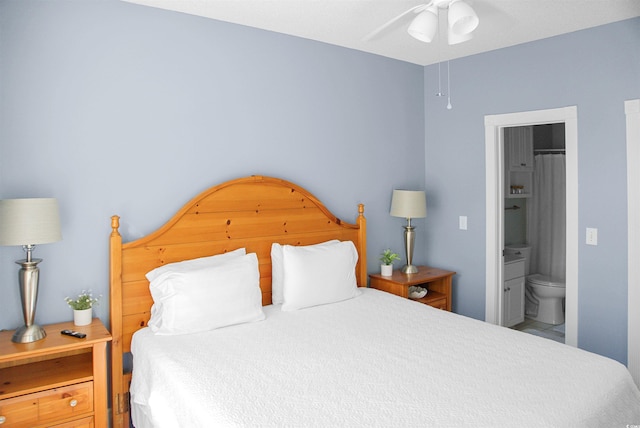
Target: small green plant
x,y
85,300
388,257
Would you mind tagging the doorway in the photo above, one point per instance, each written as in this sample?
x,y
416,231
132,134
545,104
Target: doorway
x,y
494,159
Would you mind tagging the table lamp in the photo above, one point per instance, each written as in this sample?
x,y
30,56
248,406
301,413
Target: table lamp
x,y
29,222
409,204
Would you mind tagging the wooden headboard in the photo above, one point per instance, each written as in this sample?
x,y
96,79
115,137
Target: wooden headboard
x,y
251,212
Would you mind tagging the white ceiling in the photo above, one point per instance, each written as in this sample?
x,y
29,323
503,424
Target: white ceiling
x,y
347,22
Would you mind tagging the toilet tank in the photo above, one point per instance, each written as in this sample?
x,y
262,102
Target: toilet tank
x,y
522,250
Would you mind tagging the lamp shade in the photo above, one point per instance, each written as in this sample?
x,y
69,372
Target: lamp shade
x,y
462,18
454,39
425,25
29,221
409,204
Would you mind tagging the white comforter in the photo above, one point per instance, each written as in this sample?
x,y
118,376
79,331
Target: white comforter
x,y
374,361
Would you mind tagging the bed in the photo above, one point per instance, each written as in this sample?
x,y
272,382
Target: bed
x,y
360,358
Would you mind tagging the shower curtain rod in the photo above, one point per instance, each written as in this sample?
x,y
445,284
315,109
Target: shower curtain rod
x,y
542,151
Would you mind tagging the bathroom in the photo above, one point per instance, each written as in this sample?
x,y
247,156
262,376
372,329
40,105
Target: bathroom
x,y
535,225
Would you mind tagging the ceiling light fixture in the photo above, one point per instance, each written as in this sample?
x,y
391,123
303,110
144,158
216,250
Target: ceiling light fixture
x,y
425,26
461,19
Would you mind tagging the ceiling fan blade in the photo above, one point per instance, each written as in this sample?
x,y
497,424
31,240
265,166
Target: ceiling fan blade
x,y
416,9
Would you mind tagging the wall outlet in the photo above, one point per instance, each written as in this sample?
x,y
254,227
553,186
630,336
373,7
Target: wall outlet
x,y
592,236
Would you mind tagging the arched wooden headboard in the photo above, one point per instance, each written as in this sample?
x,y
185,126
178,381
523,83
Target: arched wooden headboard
x,y
251,212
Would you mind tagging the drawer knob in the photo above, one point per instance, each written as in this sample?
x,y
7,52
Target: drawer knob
x,y
2,419
73,403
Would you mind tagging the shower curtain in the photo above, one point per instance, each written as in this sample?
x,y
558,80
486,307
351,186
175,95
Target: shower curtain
x,y
547,216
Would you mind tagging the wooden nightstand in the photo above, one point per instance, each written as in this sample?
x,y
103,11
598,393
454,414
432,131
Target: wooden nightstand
x,y
437,281
58,381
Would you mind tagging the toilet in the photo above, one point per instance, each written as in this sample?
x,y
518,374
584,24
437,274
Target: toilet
x,y
544,295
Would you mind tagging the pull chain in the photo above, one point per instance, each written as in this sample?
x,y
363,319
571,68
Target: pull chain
x,y
439,93
449,106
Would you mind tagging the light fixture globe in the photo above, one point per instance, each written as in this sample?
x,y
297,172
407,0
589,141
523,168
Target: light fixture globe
x,y
462,18
425,26
454,39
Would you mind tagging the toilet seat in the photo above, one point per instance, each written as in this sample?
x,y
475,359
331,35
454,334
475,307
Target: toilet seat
x,y
545,280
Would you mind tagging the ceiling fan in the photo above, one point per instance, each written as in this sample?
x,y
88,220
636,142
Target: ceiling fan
x,y
461,21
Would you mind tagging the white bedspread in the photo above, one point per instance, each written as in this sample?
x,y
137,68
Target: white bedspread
x,y
374,361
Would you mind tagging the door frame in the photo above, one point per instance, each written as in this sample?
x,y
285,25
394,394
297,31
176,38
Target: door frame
x,y
632,111
494,161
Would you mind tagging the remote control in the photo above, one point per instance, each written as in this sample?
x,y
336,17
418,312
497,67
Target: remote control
x,y
73,333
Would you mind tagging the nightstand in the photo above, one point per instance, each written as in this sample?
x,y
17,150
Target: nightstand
x,y
437,281
58,381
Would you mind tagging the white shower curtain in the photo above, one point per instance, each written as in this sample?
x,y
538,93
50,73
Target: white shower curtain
x,y
547,216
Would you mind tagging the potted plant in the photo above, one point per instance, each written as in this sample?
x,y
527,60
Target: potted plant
x,y
82,307
387,258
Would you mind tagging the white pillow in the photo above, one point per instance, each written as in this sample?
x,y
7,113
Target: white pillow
x,y
187,265
277,270
207,298
319,275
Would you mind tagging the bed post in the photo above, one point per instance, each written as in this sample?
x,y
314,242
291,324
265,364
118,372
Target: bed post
x,y
361,221
119,391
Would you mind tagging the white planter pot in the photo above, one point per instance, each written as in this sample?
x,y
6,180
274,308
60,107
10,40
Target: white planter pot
x,y
386,270
82,317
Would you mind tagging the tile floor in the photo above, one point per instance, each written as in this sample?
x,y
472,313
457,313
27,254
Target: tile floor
x,y
549,331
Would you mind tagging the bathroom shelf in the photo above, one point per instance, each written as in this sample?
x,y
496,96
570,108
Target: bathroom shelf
x,y
518,155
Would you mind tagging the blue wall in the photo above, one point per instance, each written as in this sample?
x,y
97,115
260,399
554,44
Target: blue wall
x,y
115,108
595,70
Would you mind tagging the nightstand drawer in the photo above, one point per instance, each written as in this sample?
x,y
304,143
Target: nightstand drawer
x,y
42,407
439,304
19,412
80,423
435,300
65,402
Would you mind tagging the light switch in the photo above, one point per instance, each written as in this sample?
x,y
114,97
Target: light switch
x,y
463,222
592,236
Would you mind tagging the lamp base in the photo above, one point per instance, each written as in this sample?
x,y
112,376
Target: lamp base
x,y
28,334
409,269
28,280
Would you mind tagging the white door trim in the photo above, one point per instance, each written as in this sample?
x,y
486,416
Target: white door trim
x,y
494,154
632,111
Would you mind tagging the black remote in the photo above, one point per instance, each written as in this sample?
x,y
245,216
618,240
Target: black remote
x,y
73,333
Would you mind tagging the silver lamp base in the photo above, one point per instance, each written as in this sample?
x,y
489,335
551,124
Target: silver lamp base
x,y
28,277
409,239
409,269
28,334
